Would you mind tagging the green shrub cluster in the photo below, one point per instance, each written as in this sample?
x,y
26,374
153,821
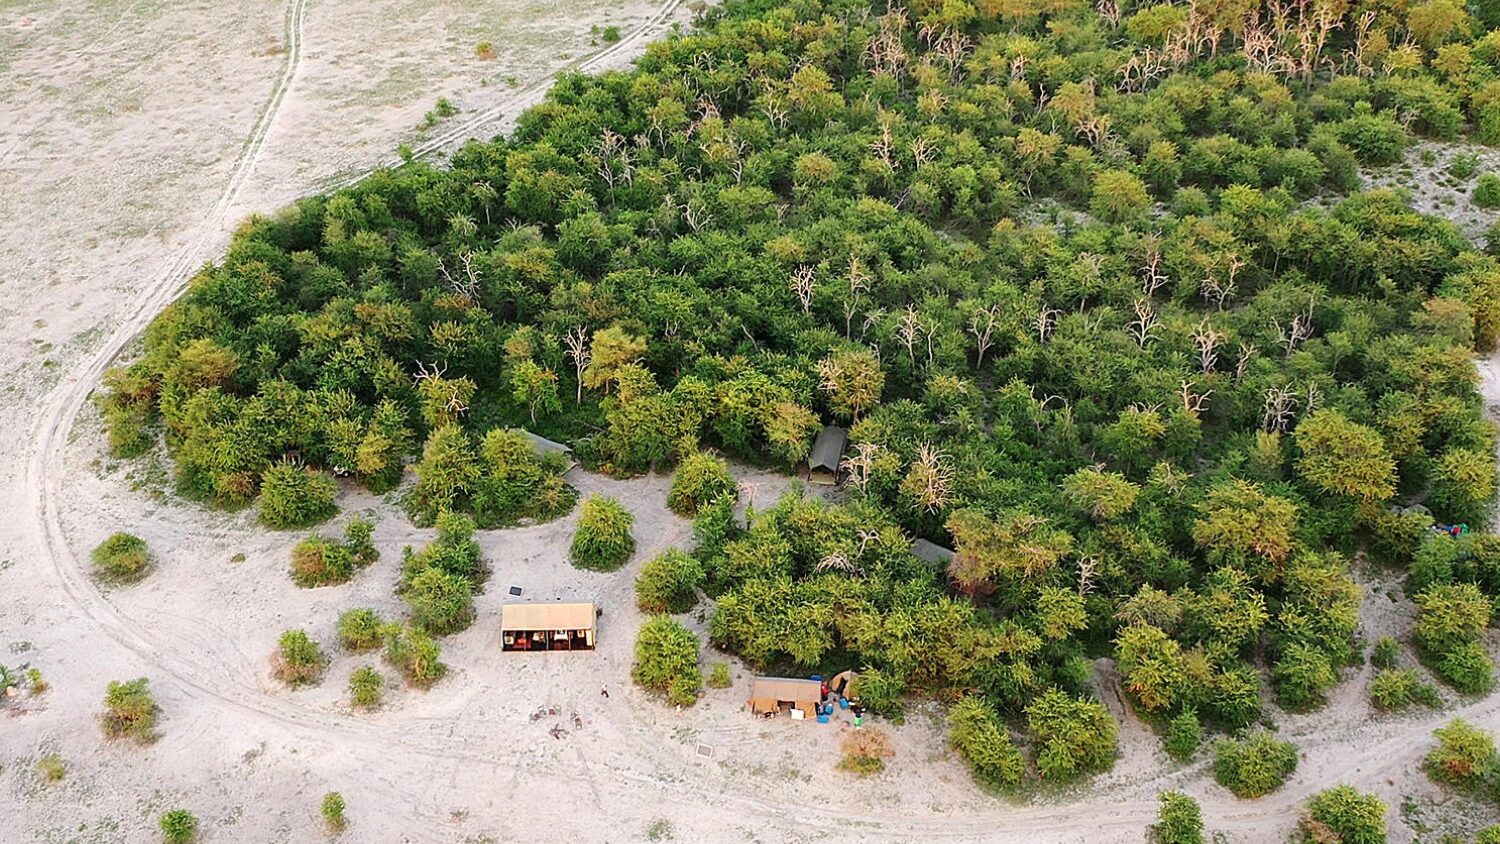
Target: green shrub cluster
x,y
439,582
1345,815
1254,765
603,541
129,710
123,558
666,661
668,582
700,478
298,661
294,496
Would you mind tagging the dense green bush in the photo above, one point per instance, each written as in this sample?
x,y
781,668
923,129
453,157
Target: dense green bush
x,y
179,826
1393,689
603,541
298,661
978,734
499,478
1351,817
700,478
666,660
1386,653
360,629
122,557
320,561
416,655
1179,820
333,812
440,602
1464,756
366,688
1254,765
1184,734
129,710
294,496
1468,668
1487,191
1074,736
668,582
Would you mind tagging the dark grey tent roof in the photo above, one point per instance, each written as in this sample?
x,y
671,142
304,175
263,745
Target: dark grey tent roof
x,y
828,449
932,552
544,446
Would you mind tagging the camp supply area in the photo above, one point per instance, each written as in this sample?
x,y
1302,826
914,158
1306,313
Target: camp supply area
x,y
773,695
547,627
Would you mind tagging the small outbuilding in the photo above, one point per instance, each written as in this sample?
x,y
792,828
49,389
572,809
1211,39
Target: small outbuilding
x,y
774,695
547,627
543,447
826,456
934,555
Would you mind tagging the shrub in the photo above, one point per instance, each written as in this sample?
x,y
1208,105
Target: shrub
x,y
718,676
1301,674
700,478
366,688
122,558
36,681
1254,765
360,629
865,751
293,496
1184,734
359,539
129,710
1074,736
611,34
440,602
1463,754
666,660
603,541
1488,835
878,691
1397,688
1179,820
1449,615
454,551
333,811
319,561
1385,653
978,734
1487,191
179,826
416,655
1468,668
298,660
1352,817
51,767
668,582
484,50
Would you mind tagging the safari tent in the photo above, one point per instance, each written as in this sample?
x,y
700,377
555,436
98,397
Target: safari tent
x,y
827,453
773,695
933,554
543,447
547,627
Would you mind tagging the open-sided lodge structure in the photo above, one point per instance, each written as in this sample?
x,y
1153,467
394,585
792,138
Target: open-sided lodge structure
x,y
827,453
773,695
547,627
543,447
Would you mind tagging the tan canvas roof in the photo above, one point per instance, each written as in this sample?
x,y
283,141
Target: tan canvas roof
x,y
547,616
786,688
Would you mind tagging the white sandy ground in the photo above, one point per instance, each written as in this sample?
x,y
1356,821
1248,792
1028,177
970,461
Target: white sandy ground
x,y
131,137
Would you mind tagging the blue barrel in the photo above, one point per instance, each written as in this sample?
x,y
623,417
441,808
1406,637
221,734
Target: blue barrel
x,y
823,718
843,703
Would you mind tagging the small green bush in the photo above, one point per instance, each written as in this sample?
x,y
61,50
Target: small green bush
x,y
319,561
333,811
603,541
122,558
51,767
416,655
36,682
611,34
484,50
977,733
1254,765
366,688
701,477
666,660
294,496
1487,191
1352,817
129,710
1464,754
669,582
1468,668
1394,689
360,629
1184,734
718,676
1179,820
1488,835
298,660
179,826
1386,653
359,539
440,602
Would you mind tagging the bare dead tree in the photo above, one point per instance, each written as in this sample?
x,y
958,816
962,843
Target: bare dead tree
x,y
860,466
982,325
934,479
1087,565
1292,334
859,284
1206,340
1242,364
1193,403
803,280
909,329
578,349
1144,323
1153,278
1046,323
1278,410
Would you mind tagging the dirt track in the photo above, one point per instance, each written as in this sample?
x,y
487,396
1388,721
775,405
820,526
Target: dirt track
x,y
460,761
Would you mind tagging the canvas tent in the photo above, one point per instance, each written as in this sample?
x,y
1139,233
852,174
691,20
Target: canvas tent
x,y
547,627
772,695
543,447
933,554
827,454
